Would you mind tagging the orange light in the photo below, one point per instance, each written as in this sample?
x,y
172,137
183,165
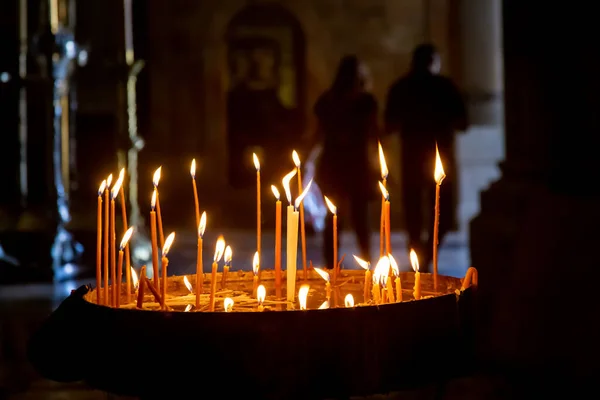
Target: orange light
x,y
219,249
134,279
168,243
102,188
382,163
156,177
116,187
256,263
153,201
303,195
349,301
439,173
126,237
394,265
256,162
383,265
414,260
384,191
364,264
296,159
193,169
228,304
275,192
187,284
228,255
302,296
323,274
261,294
108,181
202,225
330,205
285,182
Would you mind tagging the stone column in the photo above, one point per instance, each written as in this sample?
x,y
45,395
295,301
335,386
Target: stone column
x,y
535,240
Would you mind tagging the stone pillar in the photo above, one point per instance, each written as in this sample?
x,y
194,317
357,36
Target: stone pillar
x,y
535,240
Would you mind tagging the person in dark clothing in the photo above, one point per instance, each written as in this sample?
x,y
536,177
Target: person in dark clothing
x,y
426,109
347,123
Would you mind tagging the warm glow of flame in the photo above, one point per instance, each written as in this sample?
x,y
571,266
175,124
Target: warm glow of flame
x,y
324,306
303,195
153,201
202,225
261,294
286,185
134,279
126,237
256,263
330,205
116,187
275,192
102,188
122,174
439,173
394,265
108,181
382,163
323,274
187,284
414,260
381,269
384,191
228,255
168,243
187,308
256,161
219,249
302,296
349,300
296,159
364,264
228,304
193,168
156,177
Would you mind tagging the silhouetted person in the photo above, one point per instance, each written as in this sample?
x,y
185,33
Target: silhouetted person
x,y
347,123
424,108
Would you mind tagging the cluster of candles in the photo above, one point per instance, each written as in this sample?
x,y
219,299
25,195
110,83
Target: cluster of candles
x,y
378,285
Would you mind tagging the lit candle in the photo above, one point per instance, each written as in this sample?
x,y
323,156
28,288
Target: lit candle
x,y
155,181
386,207
277,241
199,263
261,294
382,265
153,239
255,270
113,237
390,289
384,175
291,238
439,176
367,290
333,210
124,241
325,276
99,243
302,296
188,308
298,165
219,249
324,305
227,260
228,304
188,284
141,285
258,213
165,264
106,243
396,272
414,261
349,301
135,281
125,227
196,204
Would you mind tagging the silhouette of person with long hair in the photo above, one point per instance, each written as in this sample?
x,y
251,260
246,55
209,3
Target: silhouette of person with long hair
x,y
425,108
347,122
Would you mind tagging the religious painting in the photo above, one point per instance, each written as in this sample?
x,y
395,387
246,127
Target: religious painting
x,y
265,99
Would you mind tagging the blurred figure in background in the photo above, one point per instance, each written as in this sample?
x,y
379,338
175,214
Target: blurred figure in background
x,y
425,108
347,123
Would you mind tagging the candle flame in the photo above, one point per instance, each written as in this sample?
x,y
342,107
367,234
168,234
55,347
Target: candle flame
x,y
394,265
202,225
134,279
330,205
153,201
296,159
256,161
303,195
349,301
228,304
156,177
193,169
122,174
108,181
286,184
116,187
302,296
219,249
256,263
228,255
324,305
168,243
383,265
364,264
187,284
102,188
439,173
382,163
187,308
126,238
384,191
414,260
275,192
261,294
323,274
